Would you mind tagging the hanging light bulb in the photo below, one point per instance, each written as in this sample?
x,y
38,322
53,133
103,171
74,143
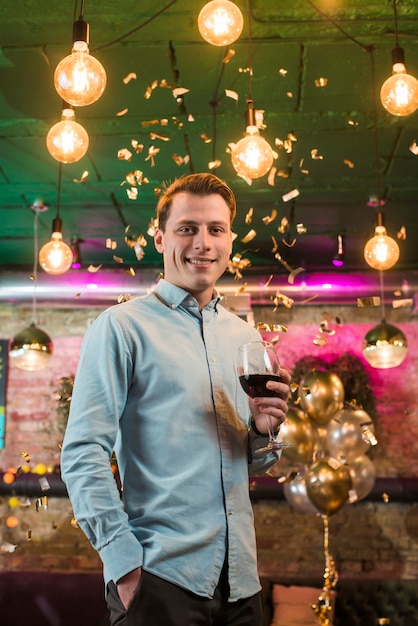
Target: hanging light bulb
x,y
67,141
252,156
55,257
31,349
220,22
80,78
381,251
399,93
385,346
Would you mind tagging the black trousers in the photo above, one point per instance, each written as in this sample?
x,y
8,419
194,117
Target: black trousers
x,y
161,603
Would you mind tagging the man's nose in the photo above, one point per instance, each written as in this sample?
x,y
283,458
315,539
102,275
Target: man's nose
x,y
202,239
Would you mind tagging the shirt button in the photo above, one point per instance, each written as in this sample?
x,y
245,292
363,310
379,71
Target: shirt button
x,y
227,473
191,302
173,306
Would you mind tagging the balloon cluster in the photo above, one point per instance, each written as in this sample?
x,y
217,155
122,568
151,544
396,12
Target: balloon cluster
x,y
330,441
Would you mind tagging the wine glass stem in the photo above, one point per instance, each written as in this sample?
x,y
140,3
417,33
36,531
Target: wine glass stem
x,y
270,428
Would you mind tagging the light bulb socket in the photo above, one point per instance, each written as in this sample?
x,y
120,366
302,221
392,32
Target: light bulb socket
x,y
398,56
57,225
380,219
81,30
250,114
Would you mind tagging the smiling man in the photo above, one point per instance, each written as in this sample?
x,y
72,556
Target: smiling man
x,y
157,383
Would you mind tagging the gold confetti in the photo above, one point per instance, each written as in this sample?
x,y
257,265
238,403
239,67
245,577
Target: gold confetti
x,y
132,193
290,195
271,176
205,138
83,177
284,225
228,56
283,262
178,92
74,522
321,82
289,94
268,219
271,328
301,229
190,118
266,284
165,85
124,297
138,147
118,259
399,304
288,477
122,112
43,481
349,164
249,236
124,154
93,268
315,156
249,216
160,137
129,77
232,94
401,234
282,72
152,152
150,89
385,497
289,244
148,123
41,502
281,298
213,165
370,301
302,169
130,271
111,244
28,535
25,455
178,160
352,123
414,148
294,273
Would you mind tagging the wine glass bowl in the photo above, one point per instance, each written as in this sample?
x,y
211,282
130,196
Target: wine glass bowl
x,y
258,363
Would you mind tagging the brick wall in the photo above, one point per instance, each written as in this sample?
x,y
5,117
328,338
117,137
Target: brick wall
x,y
366,539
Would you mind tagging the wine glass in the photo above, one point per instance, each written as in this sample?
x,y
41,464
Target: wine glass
x,y
257,364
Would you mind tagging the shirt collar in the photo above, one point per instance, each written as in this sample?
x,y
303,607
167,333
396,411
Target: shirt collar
x,y
173,296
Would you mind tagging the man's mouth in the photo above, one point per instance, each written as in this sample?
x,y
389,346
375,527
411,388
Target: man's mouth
x,y
200,261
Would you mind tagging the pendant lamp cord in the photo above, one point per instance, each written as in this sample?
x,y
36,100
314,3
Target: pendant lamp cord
x,y
34,276
395,16
250,51
59,190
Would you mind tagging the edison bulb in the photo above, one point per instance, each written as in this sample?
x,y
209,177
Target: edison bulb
x,y
385,346
31,349
399,93
252,156
55,257
220,22
80,79
67,141
381,252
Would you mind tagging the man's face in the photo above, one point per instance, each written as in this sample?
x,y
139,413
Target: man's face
x,y
196,244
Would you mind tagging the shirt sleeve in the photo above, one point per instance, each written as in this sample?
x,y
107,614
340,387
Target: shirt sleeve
x,y
98,400
260,463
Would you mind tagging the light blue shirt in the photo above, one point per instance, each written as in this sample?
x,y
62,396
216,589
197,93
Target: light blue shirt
x,y
157,383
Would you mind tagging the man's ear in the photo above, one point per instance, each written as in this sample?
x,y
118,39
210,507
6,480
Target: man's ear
x,y
158,241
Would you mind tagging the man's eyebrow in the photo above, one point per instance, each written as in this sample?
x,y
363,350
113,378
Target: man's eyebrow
x,y
189,222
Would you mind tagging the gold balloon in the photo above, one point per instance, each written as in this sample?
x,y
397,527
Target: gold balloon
x,y
295,493
328,484
321,395
363,475
298,430
345,434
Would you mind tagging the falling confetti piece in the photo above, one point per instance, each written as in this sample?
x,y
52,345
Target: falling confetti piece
x,y
249,236
315,156
213,165
160,137
25,455
249,216
124,154
152,152
385,498
43,481
268,219
399,304
93,269
118,259
414,148
83,177
122,112
138,147
290,195
74,522
111,244
402,233
282,72
271,176
294,273
349,164
289,94
302,169
288,477
129,77
228,56
352,123
205,138
8,547
232,94
180,91
371,301
321,82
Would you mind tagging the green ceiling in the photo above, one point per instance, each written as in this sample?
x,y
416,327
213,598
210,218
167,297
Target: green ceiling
x,y
340,40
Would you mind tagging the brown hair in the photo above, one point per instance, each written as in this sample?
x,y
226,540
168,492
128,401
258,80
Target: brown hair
x,y
202,184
